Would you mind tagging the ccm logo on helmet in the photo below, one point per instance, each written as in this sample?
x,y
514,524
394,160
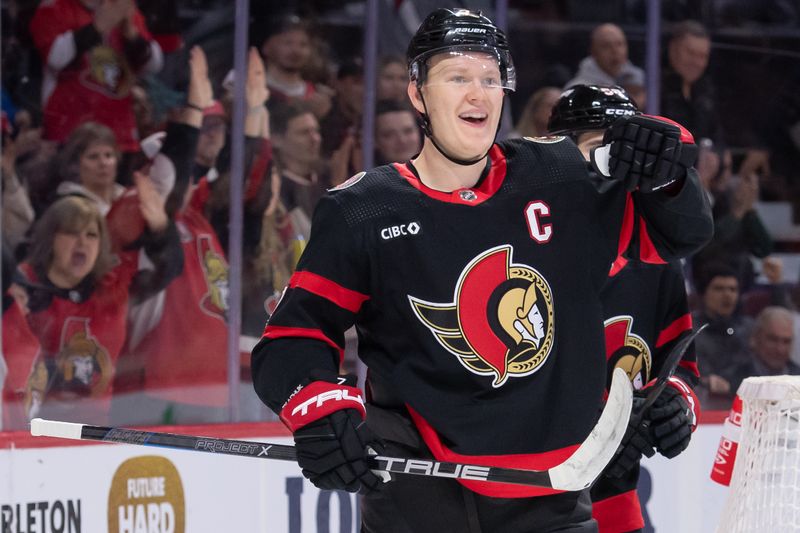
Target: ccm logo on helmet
x,y
620,112
337,395
397,231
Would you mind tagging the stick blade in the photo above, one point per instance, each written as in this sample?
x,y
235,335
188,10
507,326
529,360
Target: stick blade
x,y
53,428
587,462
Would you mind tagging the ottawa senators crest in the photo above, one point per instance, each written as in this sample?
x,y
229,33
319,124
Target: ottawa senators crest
x,y
628,351
500,322
215,270
108,72
82,366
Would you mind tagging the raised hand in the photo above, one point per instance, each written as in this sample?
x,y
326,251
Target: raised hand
x,y
200,93
649,153
256,91
151,204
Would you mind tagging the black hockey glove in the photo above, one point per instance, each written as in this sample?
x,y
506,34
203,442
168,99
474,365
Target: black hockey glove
x,y
649,153
635,443
332,451
331,436
671,422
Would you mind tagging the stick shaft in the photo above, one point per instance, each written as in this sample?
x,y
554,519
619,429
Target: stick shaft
x,y
264,450
188,442
669,367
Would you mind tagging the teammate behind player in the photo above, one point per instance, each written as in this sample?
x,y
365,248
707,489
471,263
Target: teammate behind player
x,y
646,311
585,112
473,277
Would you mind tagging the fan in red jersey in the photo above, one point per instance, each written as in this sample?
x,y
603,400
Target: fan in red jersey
x,y
93,51
78,298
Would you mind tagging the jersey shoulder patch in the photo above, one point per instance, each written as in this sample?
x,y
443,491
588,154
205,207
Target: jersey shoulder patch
x,y
352,180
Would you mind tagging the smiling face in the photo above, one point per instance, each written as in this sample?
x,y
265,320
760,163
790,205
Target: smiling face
x,y
74,254
463,95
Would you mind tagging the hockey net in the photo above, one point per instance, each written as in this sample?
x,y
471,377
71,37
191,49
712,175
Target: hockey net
x,y
765,488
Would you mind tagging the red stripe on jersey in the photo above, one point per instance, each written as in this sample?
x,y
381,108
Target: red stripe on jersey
x,y
691,367
534,461
672,331
618,513
330,290
278,332
618,264
625,236
488,186
647,250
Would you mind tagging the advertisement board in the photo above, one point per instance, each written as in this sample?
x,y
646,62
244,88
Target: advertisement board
x,y
78,487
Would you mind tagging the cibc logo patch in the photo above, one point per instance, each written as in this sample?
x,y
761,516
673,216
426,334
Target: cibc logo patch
x,y
146,495
401,230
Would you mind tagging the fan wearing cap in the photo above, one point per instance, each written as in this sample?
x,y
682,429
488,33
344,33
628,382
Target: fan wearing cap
x,y
646,311
472,274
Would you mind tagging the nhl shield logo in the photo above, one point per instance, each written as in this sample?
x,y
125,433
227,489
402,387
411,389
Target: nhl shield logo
x,y
500,322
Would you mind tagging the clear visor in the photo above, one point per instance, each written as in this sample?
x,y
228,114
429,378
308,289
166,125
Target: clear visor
x,y
462,70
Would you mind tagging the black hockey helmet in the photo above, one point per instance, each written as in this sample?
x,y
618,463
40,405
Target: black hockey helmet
x,y
589,107
459,30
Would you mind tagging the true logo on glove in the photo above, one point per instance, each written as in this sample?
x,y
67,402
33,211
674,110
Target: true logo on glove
x,y
336,395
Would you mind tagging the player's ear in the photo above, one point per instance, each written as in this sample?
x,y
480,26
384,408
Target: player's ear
x,y
414,96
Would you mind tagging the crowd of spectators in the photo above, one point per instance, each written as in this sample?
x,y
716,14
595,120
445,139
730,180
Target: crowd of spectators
x,y
115,206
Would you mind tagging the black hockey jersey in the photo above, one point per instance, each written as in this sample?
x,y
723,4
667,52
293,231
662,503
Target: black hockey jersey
x,y
646,312
478,310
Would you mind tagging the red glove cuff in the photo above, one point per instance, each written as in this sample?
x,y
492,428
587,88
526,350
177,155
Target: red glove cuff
x,y
686,135
688,394
319,399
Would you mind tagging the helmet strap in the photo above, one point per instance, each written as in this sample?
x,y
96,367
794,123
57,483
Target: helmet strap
x,y
427,128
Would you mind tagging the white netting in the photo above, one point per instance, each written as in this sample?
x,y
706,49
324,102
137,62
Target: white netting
x,y
765,488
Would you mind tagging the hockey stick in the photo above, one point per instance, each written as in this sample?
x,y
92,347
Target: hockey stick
x,y
575,473
667,371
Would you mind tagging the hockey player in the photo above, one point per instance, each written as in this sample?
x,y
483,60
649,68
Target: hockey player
x,y
472,274
646,311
